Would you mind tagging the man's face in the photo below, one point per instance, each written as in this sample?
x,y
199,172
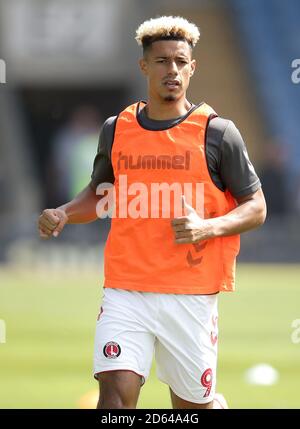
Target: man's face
x,y
168,66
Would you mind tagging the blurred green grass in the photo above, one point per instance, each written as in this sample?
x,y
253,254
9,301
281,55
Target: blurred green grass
x,y
46,361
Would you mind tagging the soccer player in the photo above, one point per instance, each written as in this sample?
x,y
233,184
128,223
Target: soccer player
x,y
163,272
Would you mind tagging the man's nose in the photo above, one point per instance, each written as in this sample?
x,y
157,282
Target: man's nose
x,y
173,67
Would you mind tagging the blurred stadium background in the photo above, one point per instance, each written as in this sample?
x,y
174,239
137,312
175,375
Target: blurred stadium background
x,y
71,64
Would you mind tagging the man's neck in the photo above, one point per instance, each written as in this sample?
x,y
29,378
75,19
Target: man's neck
x,y
167,109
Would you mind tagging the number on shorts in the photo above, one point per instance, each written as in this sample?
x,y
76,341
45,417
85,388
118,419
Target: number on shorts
x,y
206,381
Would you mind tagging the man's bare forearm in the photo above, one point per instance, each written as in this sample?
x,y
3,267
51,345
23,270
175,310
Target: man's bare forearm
x,y
249,214
82,209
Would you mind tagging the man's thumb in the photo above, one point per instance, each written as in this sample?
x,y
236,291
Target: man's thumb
x,y
189,209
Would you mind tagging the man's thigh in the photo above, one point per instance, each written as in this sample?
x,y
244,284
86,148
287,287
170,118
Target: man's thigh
x,y
118,389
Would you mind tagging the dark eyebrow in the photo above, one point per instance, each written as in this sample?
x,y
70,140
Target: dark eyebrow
x,y
180,56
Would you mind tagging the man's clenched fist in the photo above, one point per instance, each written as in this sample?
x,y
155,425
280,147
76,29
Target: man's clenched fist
x,y
51,222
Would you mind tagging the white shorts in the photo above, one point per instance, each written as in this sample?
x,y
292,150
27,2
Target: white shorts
x,y
180,329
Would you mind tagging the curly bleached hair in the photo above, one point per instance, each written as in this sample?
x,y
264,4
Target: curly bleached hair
x,y
167,28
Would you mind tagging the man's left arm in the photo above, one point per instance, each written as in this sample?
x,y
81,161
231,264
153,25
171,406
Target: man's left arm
x,y
250,213
236,174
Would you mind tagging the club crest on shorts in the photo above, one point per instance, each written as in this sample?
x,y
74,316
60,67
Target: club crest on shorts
x,y
111,350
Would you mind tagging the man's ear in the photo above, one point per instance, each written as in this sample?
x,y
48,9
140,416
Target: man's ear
x,y
143,66
193,67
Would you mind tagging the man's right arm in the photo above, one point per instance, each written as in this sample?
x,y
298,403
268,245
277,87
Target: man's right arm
x,y
82,209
